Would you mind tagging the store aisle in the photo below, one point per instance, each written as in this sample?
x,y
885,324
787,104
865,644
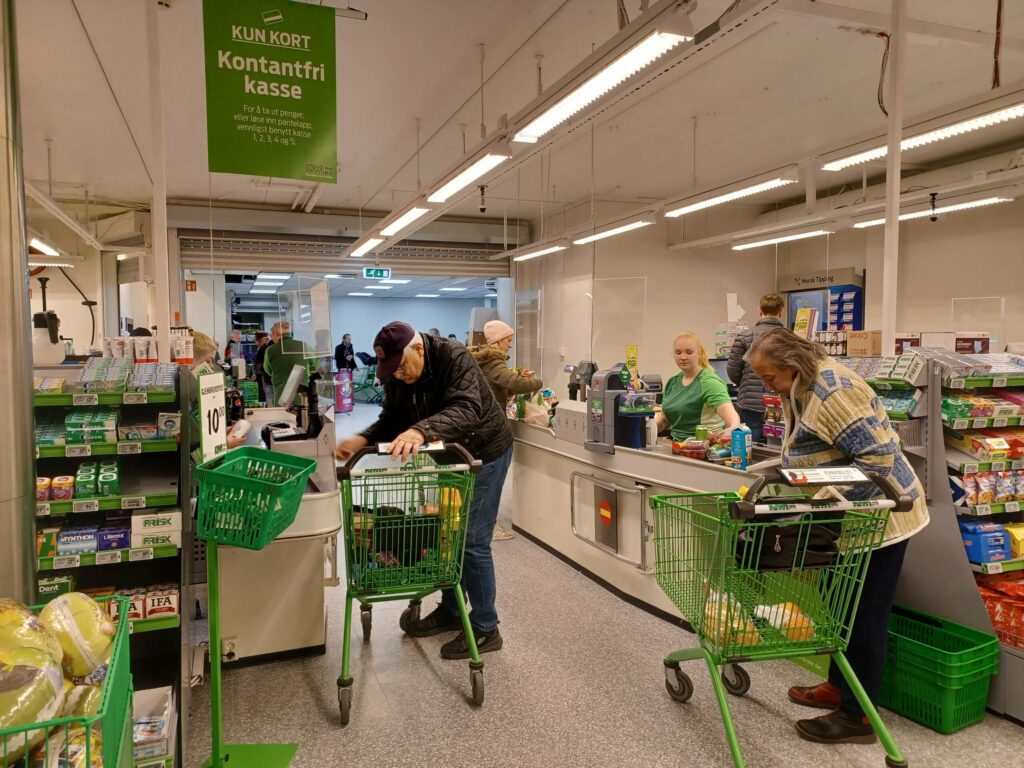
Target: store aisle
x,y
578,683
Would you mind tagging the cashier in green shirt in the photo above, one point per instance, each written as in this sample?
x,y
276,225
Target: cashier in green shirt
x,y
695,395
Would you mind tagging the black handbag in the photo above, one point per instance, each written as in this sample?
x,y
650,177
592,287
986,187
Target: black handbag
x,y
789,543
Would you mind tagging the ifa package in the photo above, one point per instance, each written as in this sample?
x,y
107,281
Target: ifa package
x,y
985,542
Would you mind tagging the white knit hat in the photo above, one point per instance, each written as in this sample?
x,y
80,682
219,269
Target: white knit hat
x,y
496,330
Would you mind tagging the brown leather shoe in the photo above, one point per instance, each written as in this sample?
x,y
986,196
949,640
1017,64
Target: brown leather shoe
x,y
821,696
836,728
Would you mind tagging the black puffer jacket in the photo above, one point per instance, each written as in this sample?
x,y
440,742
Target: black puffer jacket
x,y
451,401
748,398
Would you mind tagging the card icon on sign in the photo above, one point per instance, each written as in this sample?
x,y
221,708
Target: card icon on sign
x,y
272,17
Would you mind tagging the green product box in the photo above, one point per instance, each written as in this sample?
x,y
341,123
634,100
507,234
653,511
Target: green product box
x,y
46,542
52,586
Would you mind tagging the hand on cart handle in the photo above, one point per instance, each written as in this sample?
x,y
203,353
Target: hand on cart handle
x,y
818,476
349,447
405,447
355,448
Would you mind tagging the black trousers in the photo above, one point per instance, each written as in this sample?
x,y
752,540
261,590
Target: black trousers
x,y
866,652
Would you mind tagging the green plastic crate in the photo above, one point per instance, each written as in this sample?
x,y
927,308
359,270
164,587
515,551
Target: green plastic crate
x,y
114,712
248,496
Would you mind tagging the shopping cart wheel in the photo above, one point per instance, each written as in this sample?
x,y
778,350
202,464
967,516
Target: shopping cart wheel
x,y
366,616
735,679
476,681
893,764
682,690
345,704
409,615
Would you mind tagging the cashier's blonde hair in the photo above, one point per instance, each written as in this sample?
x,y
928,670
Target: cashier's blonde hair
x,y
203,347
702,354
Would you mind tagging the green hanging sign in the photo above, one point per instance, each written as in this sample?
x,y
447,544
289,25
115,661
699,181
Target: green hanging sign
x,y
271,98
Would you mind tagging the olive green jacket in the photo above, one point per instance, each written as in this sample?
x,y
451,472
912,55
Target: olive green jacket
x,y
504,381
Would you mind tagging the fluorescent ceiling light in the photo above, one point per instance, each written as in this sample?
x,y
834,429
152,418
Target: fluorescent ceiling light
x,y
488,162
376,287
653,47
358,293
614,231
783,239
32,262
396,282
306,315
939,210
268,276
454,290
42,247
332,277
403,221
427,296
366,247
262,290
541,252
491,296
122,257
267,284
929,137
764,186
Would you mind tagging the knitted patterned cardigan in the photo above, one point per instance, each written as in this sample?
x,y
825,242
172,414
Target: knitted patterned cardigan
x,y
839,420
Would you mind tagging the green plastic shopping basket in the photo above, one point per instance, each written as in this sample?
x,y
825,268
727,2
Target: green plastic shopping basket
x,y
248,496
108,724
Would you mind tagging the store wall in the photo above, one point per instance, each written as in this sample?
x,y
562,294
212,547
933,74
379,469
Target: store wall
x,y
75,321
135,304
363,317
205,307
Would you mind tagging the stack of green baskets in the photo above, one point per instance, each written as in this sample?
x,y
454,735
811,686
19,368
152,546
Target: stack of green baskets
x,y
937,672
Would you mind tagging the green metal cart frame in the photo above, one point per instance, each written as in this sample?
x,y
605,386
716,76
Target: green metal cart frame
x,y
405,537
760,581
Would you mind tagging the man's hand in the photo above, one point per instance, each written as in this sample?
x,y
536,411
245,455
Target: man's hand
x,y
407,445
349,447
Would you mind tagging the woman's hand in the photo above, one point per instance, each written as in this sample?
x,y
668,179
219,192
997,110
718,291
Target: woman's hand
x,y
723,436
347,448
526,373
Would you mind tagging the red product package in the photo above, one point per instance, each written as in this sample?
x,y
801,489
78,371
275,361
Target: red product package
x,y
1013,436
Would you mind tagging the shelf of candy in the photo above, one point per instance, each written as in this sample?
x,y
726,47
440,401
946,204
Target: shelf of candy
x,y
153,377
774,418
980,494
103,374
904,404
47,385
975,371
150,608
993,547
115,541
1003,596
888,373
977,411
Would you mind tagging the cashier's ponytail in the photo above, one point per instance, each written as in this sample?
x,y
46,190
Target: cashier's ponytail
x,y
702,354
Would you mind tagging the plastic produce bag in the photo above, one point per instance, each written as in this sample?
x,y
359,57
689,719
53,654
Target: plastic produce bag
x,y
82,701
20,628
85,632
31,691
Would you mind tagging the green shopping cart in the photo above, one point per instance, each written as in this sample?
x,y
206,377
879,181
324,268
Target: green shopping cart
x,y
405,536
769,578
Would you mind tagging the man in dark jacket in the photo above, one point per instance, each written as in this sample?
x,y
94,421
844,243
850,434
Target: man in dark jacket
x,y
433,390
751,390
345,354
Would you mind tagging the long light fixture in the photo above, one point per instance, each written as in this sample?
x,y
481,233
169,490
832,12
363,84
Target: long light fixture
x,y
359,293
376,287
268,276
263,290
561,246
643,54
494,157
454,290
267,283
728,197
44,248
956,129
393,281
640,223
366,247
783,239
937,211
403,221
427,296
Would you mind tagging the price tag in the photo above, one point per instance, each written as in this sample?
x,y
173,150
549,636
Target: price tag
x,y
961,424
970,469
1001,422
133,502
43,509
999,383
957,384
85,400
980,423
135,555
1017,465
127,449
66,561
37,451
77,451
993,567
998,466
85,505
213,439
983,509
135,398
1013,506
108,558
883,386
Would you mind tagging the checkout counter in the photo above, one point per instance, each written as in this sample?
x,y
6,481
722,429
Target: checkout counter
x,y
272,601
582,490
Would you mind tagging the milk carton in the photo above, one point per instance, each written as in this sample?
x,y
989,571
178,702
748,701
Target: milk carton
x,y
741,444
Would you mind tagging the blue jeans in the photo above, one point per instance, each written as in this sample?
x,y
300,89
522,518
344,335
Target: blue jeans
x,y
478,565
754,420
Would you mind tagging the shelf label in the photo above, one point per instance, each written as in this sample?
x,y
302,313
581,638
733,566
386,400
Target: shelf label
x,y
884,386
1019,464
998,466
961,424
66,561
37,451
993,567
85,505
135,398
957,384
1000,422
43,509
133,502
1013,506
77,451
970,469
127,449
999,383
108,558
983,509
140,554
980,423
85,400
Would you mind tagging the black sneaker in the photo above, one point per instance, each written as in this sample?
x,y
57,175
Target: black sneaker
x,y
437,621
485,643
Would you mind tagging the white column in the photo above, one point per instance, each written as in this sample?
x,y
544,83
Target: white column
x,y
162,299
891,257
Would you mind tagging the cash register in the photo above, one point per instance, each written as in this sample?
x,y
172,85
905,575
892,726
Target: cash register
x,y
617,412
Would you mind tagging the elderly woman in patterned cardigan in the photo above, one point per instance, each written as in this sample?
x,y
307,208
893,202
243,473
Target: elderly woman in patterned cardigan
x,y
834,418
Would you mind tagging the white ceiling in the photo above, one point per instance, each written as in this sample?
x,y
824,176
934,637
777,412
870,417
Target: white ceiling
x,y
789,91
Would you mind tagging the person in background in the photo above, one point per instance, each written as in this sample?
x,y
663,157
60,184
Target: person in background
x,y
140,330
284,355
434,391
505,382
262,380
834,418
696,395
345,354
434,332
204,350
751,388
453,337
234,347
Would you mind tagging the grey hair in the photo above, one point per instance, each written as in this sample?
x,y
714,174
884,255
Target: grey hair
x,y
784,349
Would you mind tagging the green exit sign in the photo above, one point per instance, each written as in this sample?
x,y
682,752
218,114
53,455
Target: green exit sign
x,y
377,273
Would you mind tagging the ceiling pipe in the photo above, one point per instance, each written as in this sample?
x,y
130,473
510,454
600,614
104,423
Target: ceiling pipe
x,y
314,196
61,215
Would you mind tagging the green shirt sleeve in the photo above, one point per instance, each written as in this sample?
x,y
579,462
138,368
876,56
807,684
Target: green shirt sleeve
x,y
713,389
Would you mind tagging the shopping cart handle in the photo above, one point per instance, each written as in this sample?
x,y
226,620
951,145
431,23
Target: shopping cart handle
x,y
744,508
892,492
383,449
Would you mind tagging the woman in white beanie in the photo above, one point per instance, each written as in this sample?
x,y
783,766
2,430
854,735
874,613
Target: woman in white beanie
x,y
492,358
